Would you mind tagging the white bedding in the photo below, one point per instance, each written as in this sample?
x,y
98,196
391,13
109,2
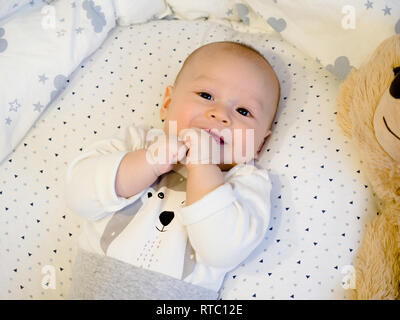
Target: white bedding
x,y
319,200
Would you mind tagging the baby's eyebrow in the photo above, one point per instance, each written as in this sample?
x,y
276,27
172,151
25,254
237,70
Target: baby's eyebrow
x,y
203,77
255,104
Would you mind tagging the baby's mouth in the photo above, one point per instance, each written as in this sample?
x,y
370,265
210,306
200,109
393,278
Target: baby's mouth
x,y
216,137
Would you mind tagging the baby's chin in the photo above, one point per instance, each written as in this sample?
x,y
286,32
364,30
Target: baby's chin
x,y
229,166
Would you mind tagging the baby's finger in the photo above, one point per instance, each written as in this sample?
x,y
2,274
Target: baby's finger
x,y
190,136
182,150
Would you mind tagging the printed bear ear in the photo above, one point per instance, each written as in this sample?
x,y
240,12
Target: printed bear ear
x,y
396,70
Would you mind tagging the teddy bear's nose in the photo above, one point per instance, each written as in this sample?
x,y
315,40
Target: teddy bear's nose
x,y
395,87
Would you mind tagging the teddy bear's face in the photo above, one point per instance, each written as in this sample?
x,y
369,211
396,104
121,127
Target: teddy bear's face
x,y
387,119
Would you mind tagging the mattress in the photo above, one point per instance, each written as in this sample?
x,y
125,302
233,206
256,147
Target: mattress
x,y
320,199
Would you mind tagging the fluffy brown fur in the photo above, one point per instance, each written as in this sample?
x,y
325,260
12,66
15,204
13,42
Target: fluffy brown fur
x,y
378,259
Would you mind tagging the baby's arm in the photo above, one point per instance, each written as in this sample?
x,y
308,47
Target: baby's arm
x,y
227,224
140,168
135,173
109,176
201,180
90,179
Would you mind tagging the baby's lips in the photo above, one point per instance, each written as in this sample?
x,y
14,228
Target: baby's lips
x,y
220,139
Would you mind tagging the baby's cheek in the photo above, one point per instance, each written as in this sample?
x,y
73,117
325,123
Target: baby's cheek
x,y
244,146
172,127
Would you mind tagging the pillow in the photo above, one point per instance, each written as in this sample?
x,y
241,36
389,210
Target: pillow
x,y
140,11
8,7
338,34
192,10
38,61
231,13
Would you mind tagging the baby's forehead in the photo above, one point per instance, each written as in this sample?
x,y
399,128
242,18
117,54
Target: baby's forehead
x,y
229,54
223,50
219,50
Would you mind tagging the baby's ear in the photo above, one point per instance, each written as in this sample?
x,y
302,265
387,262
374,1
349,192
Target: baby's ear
x,y
166,102
262,144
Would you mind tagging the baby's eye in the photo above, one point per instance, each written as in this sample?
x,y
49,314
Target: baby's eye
x,y
205,95
244,112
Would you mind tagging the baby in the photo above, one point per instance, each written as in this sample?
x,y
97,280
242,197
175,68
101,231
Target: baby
x,y
169,219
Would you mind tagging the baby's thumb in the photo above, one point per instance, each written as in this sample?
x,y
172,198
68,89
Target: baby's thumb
x,y
182,150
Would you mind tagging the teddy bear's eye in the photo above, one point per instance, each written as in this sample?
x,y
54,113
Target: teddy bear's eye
x,y
394,89
396,71
161,195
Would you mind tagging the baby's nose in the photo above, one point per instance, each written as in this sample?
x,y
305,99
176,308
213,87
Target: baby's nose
x,y
219,116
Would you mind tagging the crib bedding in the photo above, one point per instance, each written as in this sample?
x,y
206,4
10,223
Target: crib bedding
x,y
320,199
339,34
55,40
59,34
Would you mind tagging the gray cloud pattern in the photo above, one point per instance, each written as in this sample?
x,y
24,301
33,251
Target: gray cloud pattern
x,y
94,14
3,42
341,68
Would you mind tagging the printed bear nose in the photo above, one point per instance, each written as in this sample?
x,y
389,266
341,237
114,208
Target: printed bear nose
x,y
394,89
166,217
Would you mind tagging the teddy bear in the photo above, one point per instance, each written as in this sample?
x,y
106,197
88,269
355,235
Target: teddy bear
x,y
368,105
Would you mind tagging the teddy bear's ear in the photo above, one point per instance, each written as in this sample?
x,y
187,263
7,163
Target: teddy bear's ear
x,y
344,101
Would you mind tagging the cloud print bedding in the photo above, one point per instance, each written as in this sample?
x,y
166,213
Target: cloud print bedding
x,y
36,63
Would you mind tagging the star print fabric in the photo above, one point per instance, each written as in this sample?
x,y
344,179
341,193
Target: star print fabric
x,y
57,36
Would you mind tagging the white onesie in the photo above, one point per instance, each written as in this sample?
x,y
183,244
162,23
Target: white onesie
x,y
154,230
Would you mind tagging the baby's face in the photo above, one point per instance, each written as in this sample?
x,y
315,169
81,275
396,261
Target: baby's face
x,y
220,90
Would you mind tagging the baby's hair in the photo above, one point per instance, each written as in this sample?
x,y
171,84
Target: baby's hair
x,y
249,47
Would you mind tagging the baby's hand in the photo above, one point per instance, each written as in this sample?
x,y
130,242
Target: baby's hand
x,y
203,148
164,154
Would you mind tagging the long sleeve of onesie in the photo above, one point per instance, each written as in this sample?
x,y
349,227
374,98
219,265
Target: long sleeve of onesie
x,y
229,222
90,178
